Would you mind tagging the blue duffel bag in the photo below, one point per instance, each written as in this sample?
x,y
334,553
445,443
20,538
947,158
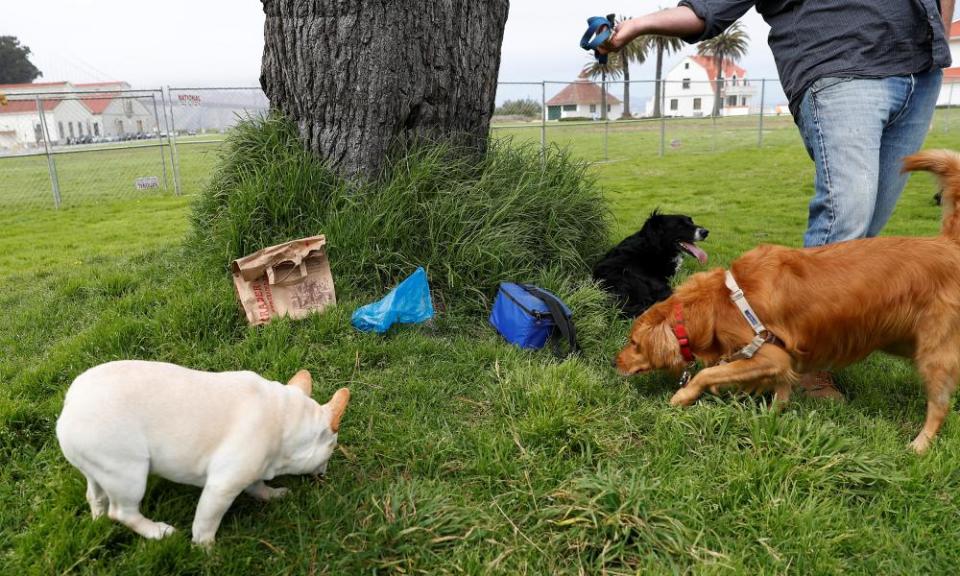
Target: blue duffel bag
x,y
528,316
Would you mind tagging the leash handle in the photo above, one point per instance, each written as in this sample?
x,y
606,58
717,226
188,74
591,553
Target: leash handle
x,y
599,30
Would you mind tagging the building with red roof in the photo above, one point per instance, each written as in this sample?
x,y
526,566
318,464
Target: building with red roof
x,y
74,113
690,87
582,99
950,89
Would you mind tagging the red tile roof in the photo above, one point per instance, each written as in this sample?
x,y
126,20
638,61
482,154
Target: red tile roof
x,y
954,29
31,85
95,84
26,106
98,105
951,73
729,68
582,92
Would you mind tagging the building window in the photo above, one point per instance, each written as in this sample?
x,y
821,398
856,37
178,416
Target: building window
x,y
696,103
674,103
734,80
743,101
593,108
686,65
569,107
686,84
96,128
140,126
731,100
80,129
608,107
120,127
70,125
38,133
60,132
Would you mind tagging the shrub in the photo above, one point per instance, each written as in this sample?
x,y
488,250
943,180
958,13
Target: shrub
x,y
471,220
521,107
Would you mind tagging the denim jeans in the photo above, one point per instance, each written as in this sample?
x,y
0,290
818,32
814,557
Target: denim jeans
x,y
857,131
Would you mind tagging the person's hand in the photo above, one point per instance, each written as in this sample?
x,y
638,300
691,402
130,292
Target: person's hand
x,y
614,43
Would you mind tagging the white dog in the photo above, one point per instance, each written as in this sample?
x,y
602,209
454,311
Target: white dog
x,y
226,432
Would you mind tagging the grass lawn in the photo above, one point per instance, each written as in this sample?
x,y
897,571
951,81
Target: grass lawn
x,y
458,452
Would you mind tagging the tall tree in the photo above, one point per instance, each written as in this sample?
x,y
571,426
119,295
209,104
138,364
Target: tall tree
x,y
663,45
731,46
357,75
15,65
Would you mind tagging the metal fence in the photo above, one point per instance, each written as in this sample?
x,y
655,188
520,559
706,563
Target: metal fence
x,y
68,148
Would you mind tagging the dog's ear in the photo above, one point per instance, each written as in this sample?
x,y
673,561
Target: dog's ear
x,y
302,381
338,404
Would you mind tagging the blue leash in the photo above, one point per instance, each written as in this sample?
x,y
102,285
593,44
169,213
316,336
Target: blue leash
x,y
599,30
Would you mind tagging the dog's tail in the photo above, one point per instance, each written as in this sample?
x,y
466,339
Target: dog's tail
x,y
946,165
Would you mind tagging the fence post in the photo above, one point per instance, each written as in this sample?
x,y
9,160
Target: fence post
x,y
543,121
51,163
172,138
946,122
763,91
663,115
163,157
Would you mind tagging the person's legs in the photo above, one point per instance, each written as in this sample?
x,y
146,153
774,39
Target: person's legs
x,y
904,136
842,122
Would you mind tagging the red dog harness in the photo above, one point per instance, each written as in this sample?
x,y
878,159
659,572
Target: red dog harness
x,y
680,331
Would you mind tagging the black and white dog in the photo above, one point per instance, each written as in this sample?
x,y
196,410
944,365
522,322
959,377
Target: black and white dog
x,y
637,271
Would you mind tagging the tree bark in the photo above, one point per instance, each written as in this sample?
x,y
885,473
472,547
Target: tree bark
x,y
658,87
626,90
356,76
717,102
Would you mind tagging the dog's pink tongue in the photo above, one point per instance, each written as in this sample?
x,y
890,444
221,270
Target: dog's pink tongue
x,y
695,251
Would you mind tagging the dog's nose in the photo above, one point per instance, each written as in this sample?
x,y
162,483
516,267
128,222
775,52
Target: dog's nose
x,y
704,233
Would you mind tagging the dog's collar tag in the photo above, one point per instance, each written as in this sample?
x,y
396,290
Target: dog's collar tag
x,y
686,376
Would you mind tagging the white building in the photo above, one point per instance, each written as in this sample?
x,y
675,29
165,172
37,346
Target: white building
x,y
690,87
950,89
582,99
73,112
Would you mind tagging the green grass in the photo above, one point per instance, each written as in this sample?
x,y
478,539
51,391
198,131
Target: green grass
x,y
460,453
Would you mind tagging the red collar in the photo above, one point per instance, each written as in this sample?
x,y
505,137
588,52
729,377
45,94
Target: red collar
x,y
680,331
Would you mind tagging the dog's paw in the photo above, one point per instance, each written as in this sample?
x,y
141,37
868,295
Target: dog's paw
x,y
920,444
159,531
205,543
274,493
684,397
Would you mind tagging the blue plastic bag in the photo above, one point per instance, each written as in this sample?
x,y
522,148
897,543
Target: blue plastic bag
x,y
409,302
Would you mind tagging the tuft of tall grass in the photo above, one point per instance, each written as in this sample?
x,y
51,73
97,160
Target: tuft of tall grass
x,y
471,220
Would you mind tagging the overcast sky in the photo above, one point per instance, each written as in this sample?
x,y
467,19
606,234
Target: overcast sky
x,y
219,42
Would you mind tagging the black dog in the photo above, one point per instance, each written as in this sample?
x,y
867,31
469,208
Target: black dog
x,y
638,270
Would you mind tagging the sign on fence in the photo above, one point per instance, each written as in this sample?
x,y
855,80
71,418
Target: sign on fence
x,y
147,183
188,99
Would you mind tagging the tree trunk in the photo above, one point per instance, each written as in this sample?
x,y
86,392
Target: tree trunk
x,y
356,76
718,62
658,87
626,89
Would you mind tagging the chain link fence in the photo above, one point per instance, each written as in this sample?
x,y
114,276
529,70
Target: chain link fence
x,y
59,149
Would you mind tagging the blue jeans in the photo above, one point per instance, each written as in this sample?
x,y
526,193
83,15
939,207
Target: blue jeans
x,y
857,131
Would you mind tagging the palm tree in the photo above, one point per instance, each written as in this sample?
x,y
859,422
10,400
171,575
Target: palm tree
x,y
663,45
730,46
618,66
612,69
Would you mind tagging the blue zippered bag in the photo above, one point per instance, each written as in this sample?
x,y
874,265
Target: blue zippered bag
x,y
528,316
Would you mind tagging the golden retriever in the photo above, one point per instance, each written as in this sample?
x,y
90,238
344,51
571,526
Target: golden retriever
x,y
829,306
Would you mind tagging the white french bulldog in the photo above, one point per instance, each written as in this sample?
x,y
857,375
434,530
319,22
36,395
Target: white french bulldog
x,y
226,432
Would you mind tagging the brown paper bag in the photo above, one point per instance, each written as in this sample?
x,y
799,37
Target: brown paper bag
x,y
291,279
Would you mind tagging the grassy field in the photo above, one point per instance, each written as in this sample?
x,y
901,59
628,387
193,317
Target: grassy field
x,y
459,453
